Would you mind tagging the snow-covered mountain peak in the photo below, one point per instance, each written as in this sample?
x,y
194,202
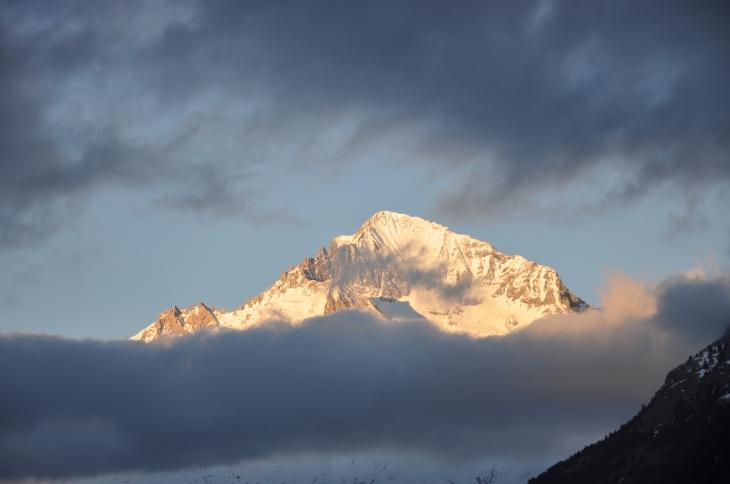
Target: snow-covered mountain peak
x,y
455,281
397,223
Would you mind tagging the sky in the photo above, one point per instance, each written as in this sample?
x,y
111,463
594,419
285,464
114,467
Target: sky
x,y
165,153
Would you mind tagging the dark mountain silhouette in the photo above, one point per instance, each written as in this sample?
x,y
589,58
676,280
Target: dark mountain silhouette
x,y
681,436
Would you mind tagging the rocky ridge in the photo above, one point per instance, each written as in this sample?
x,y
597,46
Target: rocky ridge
x,y
397,266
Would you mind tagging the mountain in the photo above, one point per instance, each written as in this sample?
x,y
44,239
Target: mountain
x,y
682,436
398,267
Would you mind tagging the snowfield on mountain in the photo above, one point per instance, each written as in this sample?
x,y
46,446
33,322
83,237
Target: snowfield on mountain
x,y
398,267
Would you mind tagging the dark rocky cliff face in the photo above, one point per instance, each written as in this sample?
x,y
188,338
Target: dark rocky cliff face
x,y
681,436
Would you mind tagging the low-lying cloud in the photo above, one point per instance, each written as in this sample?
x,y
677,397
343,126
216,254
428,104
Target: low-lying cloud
x,y
701,320
347,382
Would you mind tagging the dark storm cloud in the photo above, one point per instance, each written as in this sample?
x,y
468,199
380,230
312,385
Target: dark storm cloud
x,y
698,309
525,98
39,187
344,383
23,147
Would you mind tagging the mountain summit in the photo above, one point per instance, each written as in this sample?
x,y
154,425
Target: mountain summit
x,y
398,267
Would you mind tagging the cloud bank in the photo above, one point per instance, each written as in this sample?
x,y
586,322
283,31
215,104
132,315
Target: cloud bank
x,y
345,383
203,106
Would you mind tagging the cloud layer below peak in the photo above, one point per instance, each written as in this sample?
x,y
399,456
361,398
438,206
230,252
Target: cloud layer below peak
x,y
346,383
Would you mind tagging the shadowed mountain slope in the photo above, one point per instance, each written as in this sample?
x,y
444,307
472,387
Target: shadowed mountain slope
x,y
682,436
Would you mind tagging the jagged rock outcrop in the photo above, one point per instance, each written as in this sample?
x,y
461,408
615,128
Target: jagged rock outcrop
x,y
175,322
338,299
453,280
682,436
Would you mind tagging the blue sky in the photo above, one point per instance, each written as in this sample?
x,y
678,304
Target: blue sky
x,y
122,262
163,153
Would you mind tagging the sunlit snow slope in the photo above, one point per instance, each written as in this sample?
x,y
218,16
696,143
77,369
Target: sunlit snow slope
x,y
399,267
